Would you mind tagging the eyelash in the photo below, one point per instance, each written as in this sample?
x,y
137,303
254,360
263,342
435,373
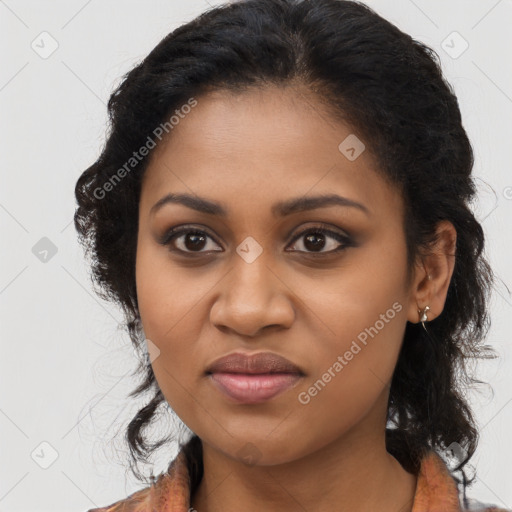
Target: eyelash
x,y
174,233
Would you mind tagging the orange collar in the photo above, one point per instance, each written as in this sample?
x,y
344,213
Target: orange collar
x,y
436,490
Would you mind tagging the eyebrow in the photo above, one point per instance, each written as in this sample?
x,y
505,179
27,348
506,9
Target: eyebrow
x,y
280,209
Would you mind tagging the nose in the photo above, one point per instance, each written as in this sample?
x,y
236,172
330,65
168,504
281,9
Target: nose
x,y
252,297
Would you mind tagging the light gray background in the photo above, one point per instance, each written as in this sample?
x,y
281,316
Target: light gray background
x,y
65,368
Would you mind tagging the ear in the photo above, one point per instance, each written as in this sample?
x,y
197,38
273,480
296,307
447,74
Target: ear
x,y
433,274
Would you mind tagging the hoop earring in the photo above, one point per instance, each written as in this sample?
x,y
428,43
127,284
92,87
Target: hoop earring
x,y
423,316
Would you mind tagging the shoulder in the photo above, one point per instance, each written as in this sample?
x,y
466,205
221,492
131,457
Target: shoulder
x,y
437,489
170,491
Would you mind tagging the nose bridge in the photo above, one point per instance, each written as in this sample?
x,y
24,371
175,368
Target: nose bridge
x,y
252,297
251,278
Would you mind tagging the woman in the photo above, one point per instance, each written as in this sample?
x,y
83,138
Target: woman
x,y
281,209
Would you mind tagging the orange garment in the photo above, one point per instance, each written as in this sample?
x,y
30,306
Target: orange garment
x,y
436,491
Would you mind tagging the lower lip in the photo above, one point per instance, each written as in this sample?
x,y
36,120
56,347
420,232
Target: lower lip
x,y
253,388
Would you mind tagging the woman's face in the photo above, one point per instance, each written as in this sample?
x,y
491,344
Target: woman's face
x,y
249,283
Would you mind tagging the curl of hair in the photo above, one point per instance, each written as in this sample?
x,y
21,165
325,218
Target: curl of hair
x,y
391,90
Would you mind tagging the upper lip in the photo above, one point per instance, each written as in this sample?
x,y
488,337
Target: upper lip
x,y
261,362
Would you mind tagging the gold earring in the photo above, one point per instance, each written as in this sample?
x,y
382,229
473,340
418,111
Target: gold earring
x,y
423,316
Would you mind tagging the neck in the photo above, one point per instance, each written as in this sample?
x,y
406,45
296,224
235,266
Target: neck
x,y
354,473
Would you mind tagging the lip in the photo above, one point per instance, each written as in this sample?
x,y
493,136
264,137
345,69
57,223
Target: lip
x,y
258,363
254,388
254,378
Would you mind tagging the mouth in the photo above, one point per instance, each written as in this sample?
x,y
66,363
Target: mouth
x,y
254,378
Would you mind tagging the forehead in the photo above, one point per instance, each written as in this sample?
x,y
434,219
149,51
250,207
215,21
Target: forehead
x,y
262,146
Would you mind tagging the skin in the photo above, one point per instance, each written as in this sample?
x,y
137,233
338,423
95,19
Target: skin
x,y
247,152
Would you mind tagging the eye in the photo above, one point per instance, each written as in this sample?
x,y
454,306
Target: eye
x,y
314,240
189,240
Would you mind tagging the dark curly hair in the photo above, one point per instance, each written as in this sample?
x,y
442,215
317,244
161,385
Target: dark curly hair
x,y
390,89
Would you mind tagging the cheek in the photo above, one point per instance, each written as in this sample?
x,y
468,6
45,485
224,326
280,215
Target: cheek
x,y
170,307
353,366
363,303
361,317
166,293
